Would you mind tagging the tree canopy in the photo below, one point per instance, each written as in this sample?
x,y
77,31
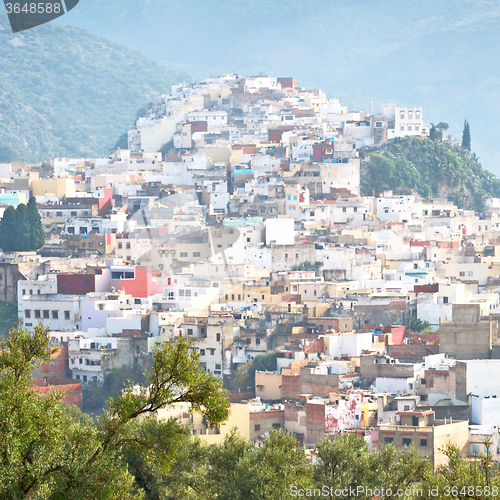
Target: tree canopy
x,y
429,168
52,451
21,228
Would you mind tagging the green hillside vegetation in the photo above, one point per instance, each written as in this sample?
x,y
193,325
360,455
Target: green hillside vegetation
x,y
430,168
67,92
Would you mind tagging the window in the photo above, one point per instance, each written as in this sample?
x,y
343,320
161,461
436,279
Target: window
x,y
181,293
80,361
183,254
27,313
137,301
202,352
190,331
257,427
218,337
417,127
188,293
85,378
445,300
78,377
286,256
128,245
212,352
423,442
402,128
119,246
276,426
422,381
66,314
46,314
217,367
344,209
402,115
410,115
475,449
409,128
406,441
470,273
462,273
55,314
196,254
37,314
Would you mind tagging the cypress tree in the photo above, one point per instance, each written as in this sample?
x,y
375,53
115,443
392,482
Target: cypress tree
x,y
22,236
466,136
432,132
35,224
7,229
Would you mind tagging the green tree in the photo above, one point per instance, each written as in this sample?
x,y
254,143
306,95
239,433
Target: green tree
x,y
21,236
36,232
465,479
443,126
433,132
402,470
345,462
7,229
52,452
417,325
466,136
245,375
239,471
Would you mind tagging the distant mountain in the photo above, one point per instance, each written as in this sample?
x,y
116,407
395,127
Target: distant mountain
x,y
441,55
430,168
68,92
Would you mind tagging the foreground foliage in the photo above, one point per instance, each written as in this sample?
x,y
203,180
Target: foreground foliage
x,y
51,451
279,470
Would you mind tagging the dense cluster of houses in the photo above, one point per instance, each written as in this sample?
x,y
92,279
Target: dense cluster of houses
x,y
235,218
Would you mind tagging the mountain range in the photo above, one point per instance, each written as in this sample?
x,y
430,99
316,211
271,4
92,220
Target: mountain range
x,y
440,55
67,92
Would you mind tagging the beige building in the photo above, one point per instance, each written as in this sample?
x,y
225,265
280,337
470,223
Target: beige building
x,y
469,335
239,418
428,434
268,386
61,188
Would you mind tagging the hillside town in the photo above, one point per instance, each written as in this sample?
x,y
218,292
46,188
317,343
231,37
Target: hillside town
x,y
235,218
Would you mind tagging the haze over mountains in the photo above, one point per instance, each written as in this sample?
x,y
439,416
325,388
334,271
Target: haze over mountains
x,y
441,55
68,92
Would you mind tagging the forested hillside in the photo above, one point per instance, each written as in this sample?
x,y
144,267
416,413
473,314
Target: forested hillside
x,y
67,92
431,168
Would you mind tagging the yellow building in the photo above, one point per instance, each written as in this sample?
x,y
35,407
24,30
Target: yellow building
x,y
268,386
369,414
428,434
53,187
239,417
